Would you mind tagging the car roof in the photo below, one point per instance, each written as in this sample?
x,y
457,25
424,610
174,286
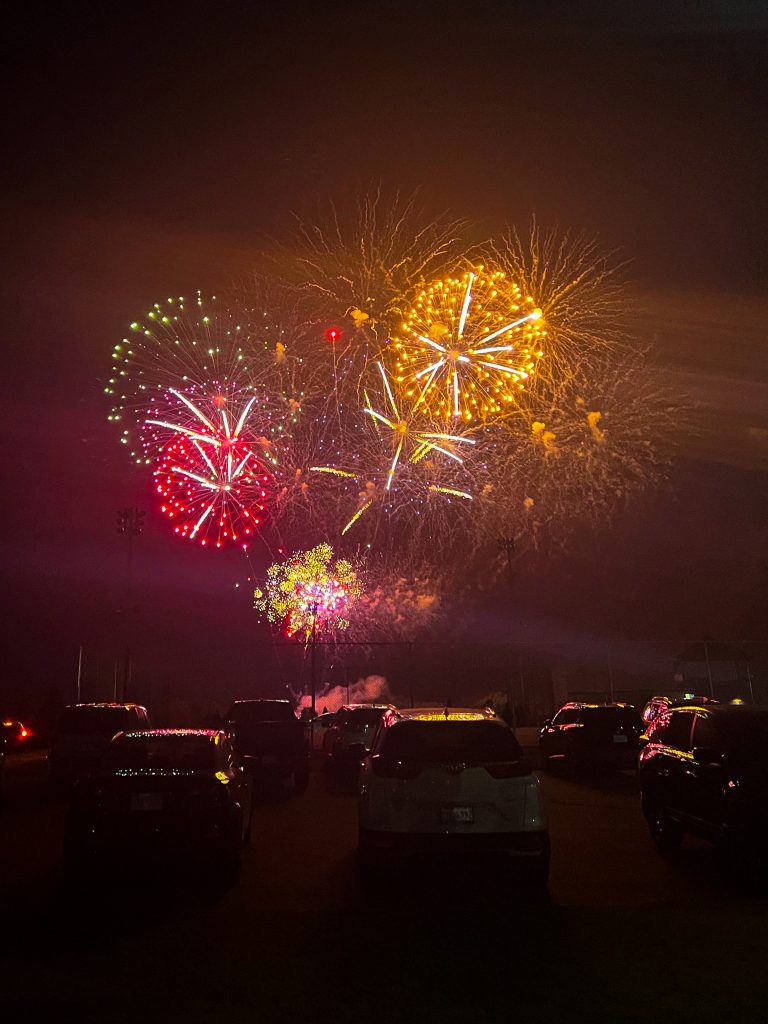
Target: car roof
x,y
445,714
262,700
153,734
579,705
726,710
106,704
363,707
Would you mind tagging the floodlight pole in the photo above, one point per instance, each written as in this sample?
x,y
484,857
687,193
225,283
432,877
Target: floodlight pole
x,y
314,659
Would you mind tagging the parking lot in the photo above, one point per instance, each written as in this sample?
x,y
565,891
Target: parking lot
x,y
624,935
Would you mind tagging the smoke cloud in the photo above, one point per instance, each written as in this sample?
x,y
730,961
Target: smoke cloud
x,y
370,690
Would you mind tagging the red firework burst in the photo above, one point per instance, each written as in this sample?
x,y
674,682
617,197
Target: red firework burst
x,y
216,488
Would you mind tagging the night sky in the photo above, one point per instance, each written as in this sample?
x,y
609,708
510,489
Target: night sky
x,y
155,149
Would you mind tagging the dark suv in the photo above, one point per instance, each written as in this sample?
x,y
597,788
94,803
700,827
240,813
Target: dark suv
x,y
704,770
591,736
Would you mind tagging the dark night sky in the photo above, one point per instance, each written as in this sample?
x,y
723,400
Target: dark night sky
x,y
152,148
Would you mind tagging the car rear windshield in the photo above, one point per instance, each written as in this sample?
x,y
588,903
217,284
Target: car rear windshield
x,y
479,742
609,718
162,753
100,721
361,716
262,711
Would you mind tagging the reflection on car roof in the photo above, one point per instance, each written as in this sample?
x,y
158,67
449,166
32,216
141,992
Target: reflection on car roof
x,y
153,734
446,714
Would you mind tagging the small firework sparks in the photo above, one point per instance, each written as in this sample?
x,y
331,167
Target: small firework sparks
x,y
468,345
310,591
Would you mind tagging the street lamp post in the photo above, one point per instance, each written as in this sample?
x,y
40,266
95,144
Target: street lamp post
x,y
130,522
313,659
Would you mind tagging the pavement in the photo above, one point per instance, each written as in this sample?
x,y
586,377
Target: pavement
x,y
624,934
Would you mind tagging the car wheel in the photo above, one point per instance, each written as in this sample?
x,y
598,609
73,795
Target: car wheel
x,y
536,876
300,780
229,868
246,834
666,833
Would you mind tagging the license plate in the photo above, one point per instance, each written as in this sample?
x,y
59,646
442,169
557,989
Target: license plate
x,y
147,802
457,815
620,739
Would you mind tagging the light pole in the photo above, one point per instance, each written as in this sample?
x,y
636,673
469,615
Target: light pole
x,y
130,522
313,658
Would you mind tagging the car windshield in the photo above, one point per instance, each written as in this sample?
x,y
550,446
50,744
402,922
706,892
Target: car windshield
x,y
162,753
100,721
262,711
451,741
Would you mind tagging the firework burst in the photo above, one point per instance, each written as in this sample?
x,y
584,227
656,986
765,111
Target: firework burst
x,y
579,289
468,345
213,476
311,591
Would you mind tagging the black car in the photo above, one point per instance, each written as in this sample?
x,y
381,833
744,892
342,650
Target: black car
x,y
270,741
591,736
162,792
703,770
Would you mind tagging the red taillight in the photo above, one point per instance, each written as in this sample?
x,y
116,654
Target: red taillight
x,y
389,768
508,769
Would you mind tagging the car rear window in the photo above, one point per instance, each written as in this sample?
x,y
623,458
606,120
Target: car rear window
x,y
162,753
482,742
361,716
100,721
609,718
261,711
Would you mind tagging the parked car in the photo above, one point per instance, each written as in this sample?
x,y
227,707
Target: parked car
x,y
163,792
3,752
450,782
83,735
703,770
320,727
18,735
591,736
660,702
349,738
270,741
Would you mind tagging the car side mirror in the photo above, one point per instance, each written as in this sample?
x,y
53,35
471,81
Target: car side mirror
x,y
643,739
547,723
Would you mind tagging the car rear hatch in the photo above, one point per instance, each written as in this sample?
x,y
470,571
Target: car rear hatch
x,y
451,798
134,802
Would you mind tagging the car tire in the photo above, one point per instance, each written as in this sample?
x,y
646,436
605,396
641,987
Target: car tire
x,y
229,868
666,833
246,834
300,780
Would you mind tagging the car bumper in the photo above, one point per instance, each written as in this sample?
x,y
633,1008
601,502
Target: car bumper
x,y
255,764
397,846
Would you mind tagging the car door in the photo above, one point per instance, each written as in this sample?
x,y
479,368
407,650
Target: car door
x,y
704,778
672,763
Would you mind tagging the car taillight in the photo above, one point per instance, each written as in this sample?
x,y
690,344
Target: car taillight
x,y
508,769
389,768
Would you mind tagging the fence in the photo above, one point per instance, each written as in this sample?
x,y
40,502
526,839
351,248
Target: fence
x,y
533,677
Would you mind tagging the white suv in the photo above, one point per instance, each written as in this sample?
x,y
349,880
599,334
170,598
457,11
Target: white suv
x,y
450,781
